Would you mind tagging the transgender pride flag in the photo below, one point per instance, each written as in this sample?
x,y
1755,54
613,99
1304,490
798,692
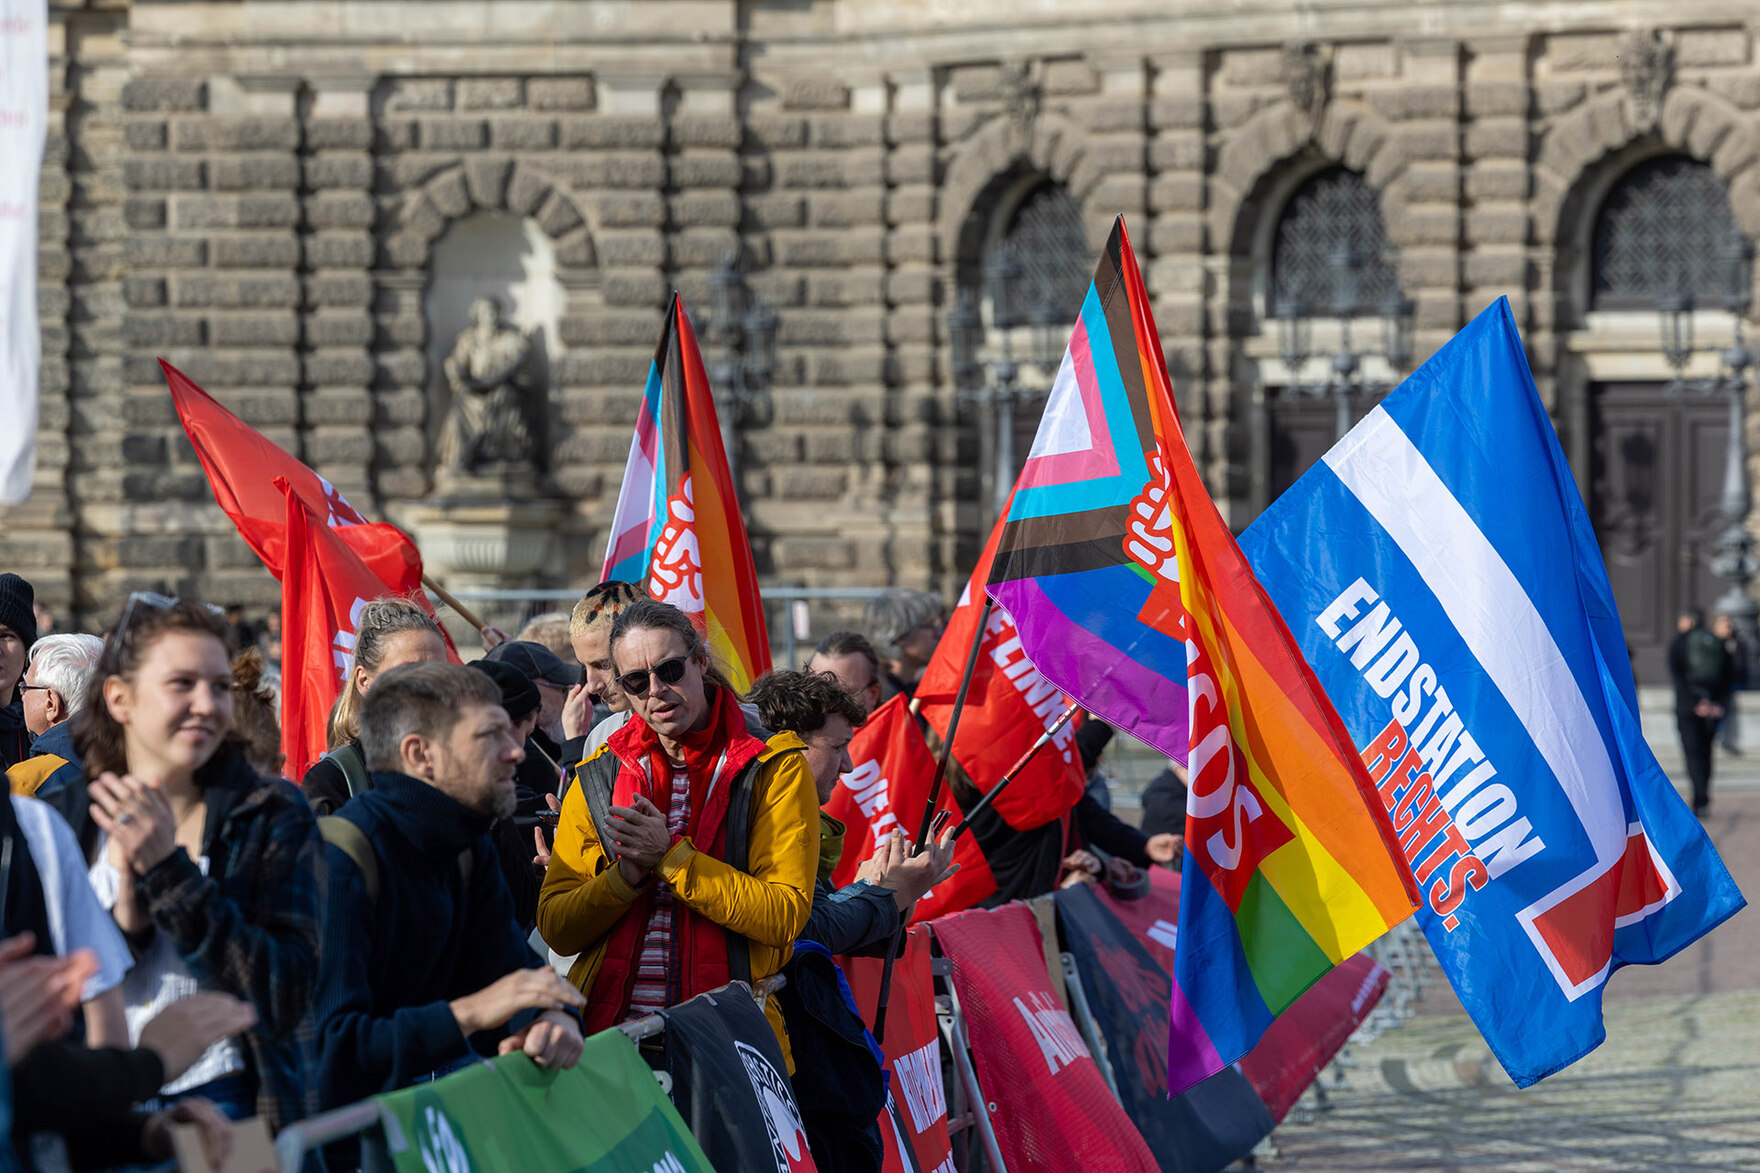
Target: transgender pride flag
x,y
1129,593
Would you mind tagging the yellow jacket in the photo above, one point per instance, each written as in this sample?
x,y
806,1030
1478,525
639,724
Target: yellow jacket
x,y
584,894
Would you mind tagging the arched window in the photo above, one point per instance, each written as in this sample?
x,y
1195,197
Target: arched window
x,y
1044,251
1331,257
1665,230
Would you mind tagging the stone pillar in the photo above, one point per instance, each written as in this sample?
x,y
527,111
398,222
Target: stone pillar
x,y
1419,175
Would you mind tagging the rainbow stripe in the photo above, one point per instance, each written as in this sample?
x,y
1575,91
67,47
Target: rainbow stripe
x,y
677,528
1291,862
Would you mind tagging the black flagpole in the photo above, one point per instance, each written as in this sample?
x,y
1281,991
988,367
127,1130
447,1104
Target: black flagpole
x,y
959,705
1032,751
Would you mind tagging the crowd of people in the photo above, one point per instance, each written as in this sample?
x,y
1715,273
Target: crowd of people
x,y
584,826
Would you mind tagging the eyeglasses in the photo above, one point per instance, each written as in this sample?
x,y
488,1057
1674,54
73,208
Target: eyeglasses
x,y
157,602
666,671
35,688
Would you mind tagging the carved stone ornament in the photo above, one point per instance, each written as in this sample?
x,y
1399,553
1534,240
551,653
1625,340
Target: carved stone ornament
x,y
1646,66
1022,91
493,425
1305,72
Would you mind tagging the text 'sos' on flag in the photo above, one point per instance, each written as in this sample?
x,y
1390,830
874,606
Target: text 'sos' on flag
x,y
914,1124
731,1083
677,528
606,1114
1204,1128
885,792
1130,593
1051,1107
1440,572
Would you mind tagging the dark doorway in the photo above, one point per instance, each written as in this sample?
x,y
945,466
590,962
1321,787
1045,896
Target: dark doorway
x,y
1656,476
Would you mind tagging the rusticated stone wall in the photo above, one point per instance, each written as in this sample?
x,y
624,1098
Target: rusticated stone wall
x,y
254,193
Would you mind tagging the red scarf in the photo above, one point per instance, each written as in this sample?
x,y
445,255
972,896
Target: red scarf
x,y
714,756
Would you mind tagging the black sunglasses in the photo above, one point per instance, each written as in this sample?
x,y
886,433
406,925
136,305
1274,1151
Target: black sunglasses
x,y
666,671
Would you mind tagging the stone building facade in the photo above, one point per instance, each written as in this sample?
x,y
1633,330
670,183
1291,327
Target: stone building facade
x,y
258,192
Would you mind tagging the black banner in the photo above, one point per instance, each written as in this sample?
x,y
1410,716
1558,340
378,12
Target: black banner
x,y
1213,1124
730,1083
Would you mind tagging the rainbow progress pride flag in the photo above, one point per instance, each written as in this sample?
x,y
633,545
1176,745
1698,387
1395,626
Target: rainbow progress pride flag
x,y
1131,595
677,529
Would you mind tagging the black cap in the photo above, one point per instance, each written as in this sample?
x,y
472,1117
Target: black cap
x,y
519,696
17,602
539,663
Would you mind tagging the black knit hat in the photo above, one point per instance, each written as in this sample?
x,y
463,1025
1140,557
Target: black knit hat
x,y
17,602
519,696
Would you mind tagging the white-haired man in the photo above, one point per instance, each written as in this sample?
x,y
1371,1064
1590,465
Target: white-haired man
x,y
53,690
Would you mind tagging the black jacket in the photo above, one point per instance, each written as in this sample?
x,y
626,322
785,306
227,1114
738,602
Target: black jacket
x,y
391,966
86,1096
15,739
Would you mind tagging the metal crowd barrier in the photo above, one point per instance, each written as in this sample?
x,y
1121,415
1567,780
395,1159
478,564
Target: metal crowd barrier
x,y
298,1141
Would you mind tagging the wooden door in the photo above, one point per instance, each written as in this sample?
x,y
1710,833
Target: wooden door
x,y
1655,480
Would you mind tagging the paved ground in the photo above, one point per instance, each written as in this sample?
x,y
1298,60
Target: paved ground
x,y
1675,1087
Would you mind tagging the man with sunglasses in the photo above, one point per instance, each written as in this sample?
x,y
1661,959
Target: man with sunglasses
x,y
686,852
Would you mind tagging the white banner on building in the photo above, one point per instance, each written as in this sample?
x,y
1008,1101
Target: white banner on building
x,y
24,125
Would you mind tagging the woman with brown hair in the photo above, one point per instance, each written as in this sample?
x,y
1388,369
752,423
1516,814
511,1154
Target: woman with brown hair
x,y
391,632
208,867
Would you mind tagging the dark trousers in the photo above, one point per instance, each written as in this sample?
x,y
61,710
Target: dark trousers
x,y
1696,736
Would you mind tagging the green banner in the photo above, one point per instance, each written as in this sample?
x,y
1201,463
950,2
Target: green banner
x,y
606,1115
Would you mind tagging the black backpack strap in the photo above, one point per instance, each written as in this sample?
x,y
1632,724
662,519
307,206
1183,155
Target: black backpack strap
x,y
738,855
353,764
597,776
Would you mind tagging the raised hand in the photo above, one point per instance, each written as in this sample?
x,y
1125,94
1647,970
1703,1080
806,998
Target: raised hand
x,y
523,989
184,1030
136,817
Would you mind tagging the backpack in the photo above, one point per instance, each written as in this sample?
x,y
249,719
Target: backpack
x,y
338,832
1706,659
353,764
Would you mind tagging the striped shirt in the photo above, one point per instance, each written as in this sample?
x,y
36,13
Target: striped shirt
x,y
657,983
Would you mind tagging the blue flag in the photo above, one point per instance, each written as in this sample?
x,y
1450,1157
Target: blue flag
x,y
1440,573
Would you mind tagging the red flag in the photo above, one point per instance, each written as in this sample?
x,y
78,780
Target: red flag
x,y
324,585
885,792
914,1121
243,465
1009,705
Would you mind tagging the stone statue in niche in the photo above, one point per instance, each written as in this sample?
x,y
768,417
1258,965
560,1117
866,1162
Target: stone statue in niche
x,y
494,426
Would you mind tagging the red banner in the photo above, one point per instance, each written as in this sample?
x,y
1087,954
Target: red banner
x,y
1053,1109
1008,706
1303,1039
323,587
916,1112
885,792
